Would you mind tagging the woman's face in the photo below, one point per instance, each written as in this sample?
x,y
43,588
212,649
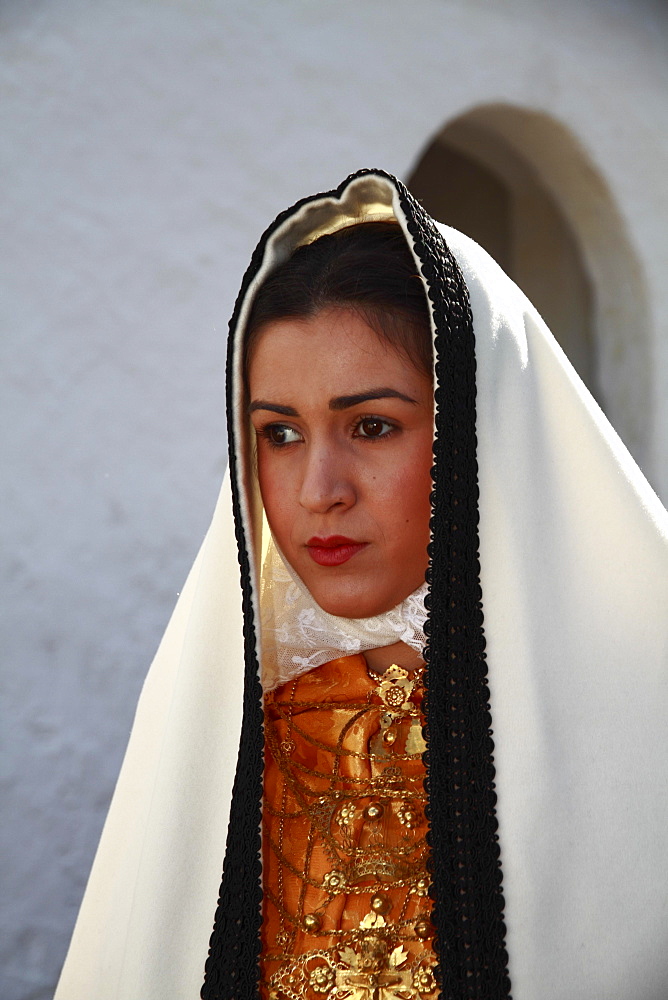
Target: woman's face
x,y
344,430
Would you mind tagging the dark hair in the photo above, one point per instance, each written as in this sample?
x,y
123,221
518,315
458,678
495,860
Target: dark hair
x,y
366,267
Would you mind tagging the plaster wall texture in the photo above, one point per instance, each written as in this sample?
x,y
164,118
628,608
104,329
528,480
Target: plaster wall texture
x,y
146,144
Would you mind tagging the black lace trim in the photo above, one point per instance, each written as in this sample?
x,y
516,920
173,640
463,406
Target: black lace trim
x,y
232,970
468,899
233,965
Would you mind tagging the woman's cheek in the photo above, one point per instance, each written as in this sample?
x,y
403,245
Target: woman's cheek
x,y
273,492
412,508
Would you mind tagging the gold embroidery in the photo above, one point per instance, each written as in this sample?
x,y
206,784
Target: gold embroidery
x,y
371,967
347,910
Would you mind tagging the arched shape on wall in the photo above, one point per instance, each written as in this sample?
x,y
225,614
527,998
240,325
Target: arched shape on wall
x,y
521,184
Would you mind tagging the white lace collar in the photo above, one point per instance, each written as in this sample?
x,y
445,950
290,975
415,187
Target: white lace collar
x,y
297,635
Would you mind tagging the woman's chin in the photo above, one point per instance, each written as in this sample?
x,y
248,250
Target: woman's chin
x,y
349,604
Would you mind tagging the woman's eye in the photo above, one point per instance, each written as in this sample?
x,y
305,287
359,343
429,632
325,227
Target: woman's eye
x,y
279,434
373,427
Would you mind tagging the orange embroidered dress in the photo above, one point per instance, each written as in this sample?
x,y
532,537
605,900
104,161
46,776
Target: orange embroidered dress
x,y
346,904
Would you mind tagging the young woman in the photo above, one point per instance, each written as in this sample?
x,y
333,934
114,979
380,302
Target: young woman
x,y
504,828
340,390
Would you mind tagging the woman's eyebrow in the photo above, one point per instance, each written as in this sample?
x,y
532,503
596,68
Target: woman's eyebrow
x,y
262,404
336,403
343,402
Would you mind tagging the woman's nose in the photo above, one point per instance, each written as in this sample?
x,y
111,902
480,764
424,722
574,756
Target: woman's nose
x,y
327,481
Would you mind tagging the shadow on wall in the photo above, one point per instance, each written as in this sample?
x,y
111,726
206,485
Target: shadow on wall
x,y
519,183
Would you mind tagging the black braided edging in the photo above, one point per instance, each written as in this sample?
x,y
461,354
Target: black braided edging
x,y
468,899
232,969
467,891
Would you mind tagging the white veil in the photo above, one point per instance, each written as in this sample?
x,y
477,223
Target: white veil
x,y
574,572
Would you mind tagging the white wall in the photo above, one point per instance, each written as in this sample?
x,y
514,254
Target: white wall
x,y
145,145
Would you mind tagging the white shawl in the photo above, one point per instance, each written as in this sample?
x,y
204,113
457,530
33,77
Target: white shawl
x,y
574,572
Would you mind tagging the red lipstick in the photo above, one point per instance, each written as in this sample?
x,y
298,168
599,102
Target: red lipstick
x,y
333,551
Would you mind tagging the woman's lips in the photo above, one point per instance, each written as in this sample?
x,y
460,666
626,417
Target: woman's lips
x,y
333,551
